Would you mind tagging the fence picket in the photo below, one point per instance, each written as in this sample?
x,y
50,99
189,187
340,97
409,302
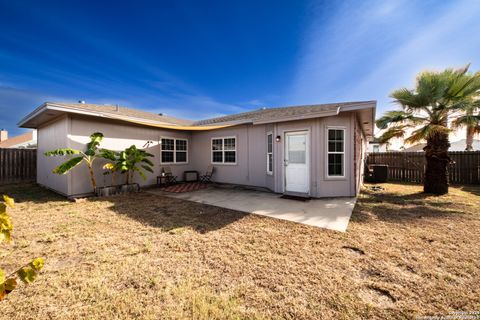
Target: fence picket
x,y
18,165
410,166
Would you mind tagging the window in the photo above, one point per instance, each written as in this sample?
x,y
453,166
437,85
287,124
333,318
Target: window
x,y
224,150
376,148
336,152
270,153
174,150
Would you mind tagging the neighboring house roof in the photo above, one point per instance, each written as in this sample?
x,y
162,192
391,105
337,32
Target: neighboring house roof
x,y
24,140
50,110
454,146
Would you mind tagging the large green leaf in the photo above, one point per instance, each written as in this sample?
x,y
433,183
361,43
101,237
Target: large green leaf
x,y
67,166
147,161
149,169
62,152
108,154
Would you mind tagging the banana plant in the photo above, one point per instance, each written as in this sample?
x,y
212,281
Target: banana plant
x,y
88,156
111,167
133,160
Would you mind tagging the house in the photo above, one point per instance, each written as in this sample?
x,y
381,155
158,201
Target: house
x,y
27,140
376,146
314,150
454,146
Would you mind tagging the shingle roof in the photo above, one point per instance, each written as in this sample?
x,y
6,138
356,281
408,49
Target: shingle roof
x,y
280,112
264,115
26,137
122,111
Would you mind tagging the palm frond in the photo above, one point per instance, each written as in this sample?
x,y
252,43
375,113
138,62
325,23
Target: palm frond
x,y
398,117
391,133
466,121
426,132
431,87
408,100
476,129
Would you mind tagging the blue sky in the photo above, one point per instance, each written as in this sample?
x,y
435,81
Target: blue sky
x,y
197,59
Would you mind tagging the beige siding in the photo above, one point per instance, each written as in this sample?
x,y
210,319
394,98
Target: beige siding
x,y
320,184
251,157
251,166
359,159
119,136
50,137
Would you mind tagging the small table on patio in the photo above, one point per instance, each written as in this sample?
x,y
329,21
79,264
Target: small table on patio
x,y
162,181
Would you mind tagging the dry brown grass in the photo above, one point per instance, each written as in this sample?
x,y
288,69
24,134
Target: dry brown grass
x,y
150,257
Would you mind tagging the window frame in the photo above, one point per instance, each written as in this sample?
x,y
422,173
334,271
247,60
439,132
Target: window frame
x,y
327,153
175,162
269,172
223,151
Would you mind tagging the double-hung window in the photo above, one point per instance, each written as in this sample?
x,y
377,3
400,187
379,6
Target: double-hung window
x,y
270,153
174,150
224,150
336,152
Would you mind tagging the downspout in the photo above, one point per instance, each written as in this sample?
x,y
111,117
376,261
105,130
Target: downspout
x,y
248,154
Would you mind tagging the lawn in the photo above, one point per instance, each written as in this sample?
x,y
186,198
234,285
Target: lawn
x,y
150,257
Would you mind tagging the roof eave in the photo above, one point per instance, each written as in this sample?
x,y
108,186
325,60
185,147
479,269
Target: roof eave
x,y
31,115
51,106
301,117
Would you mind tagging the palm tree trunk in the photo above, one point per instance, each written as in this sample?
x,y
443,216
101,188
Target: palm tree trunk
x,y
470,131
436,170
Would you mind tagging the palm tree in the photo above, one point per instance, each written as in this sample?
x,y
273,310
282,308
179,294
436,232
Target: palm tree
x,y
425,116
470,121
87,156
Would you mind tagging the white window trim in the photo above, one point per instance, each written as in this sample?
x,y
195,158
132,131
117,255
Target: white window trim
x,y
343,176
174,150
223,151
270,172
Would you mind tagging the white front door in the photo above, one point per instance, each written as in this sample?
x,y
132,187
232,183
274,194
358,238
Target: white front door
x,y
297,177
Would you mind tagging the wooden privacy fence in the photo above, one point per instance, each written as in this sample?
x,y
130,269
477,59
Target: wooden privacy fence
x,y
410,166
18,165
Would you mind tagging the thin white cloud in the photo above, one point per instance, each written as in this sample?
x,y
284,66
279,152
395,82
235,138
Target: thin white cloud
x,y
366,50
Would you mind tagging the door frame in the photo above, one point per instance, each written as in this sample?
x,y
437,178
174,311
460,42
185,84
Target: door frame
x,y
307,157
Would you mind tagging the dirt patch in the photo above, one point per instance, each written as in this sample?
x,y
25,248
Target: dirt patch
x,y
378,297
354,250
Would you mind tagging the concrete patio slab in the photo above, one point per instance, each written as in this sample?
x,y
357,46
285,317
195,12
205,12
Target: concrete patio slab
x,y
331,213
